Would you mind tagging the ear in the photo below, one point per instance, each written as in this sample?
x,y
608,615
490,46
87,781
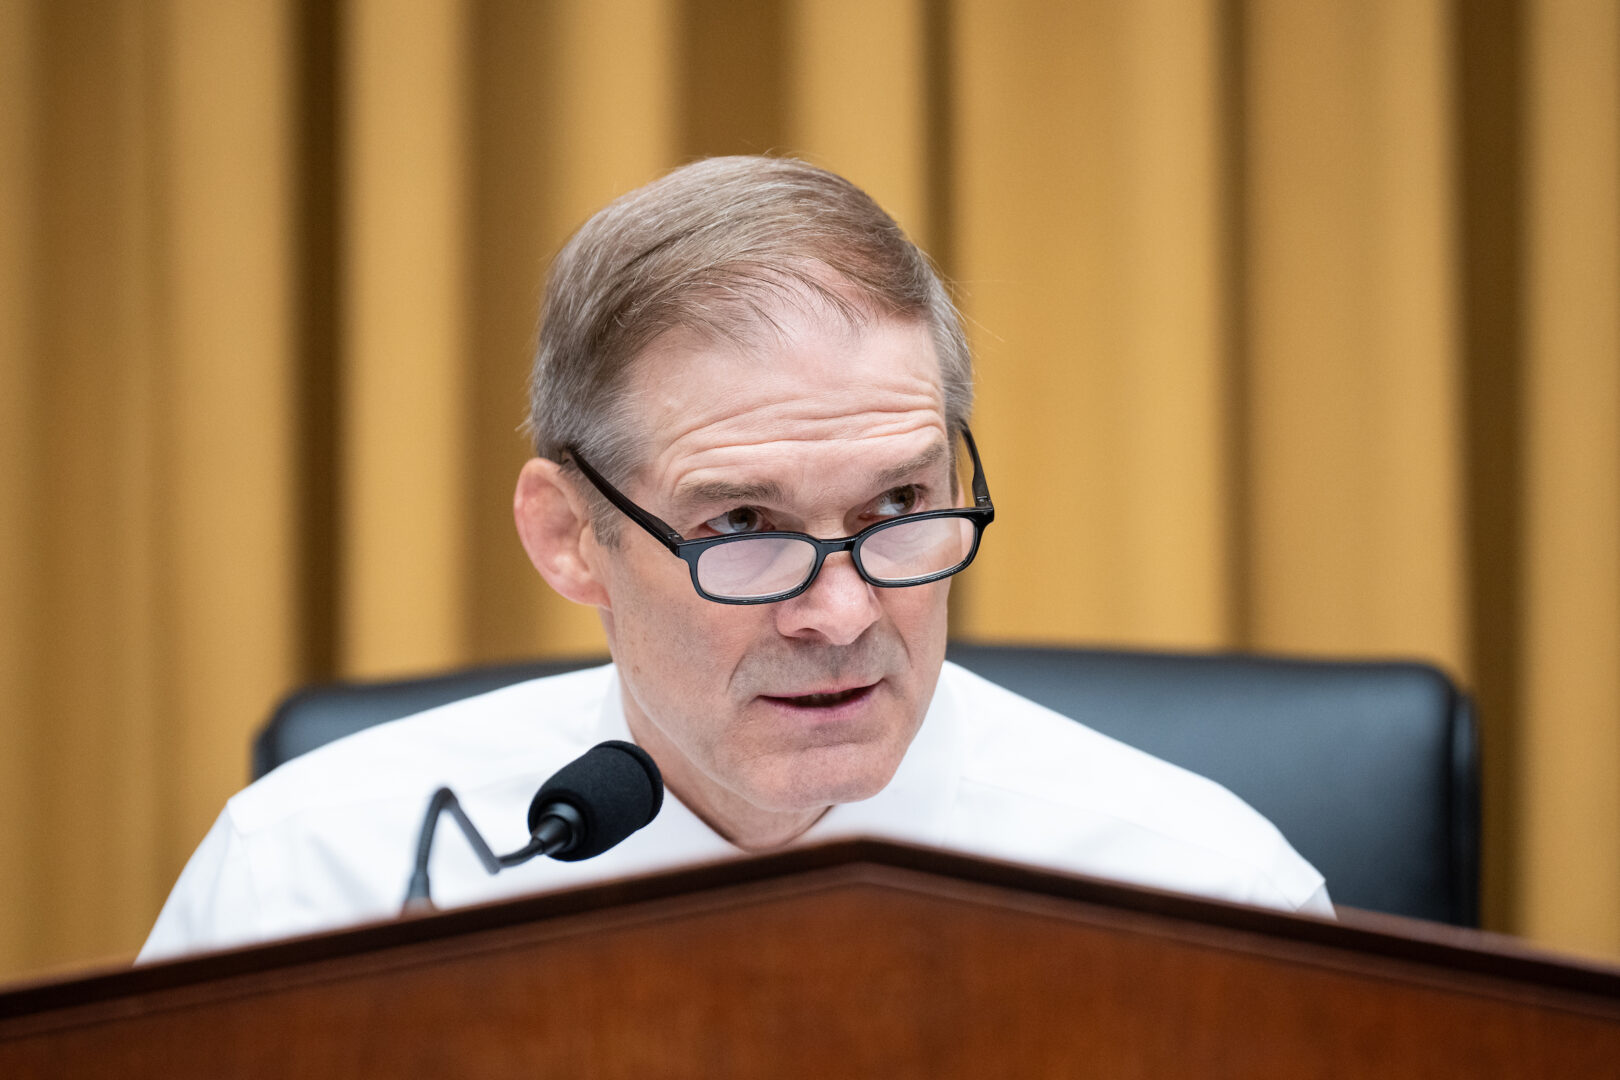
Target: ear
x,y
555,527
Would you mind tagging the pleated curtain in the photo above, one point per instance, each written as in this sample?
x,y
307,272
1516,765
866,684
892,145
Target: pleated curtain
x,y
1298,329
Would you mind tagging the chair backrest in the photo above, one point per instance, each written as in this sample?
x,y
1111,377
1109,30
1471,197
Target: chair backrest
x,y
1370,769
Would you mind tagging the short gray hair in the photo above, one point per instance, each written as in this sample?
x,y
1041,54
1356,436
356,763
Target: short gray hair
x,y
716,247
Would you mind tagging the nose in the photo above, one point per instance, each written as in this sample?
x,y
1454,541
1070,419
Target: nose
x,y
836,609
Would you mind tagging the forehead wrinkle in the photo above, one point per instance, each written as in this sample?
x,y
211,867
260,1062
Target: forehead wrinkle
x,y
904,422
793,399
804,396
823,425
695,493
796,395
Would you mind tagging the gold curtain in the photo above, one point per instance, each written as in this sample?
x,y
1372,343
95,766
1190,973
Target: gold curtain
x,y
1298,329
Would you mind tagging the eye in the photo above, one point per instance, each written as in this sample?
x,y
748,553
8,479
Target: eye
x,y
898,501
742,519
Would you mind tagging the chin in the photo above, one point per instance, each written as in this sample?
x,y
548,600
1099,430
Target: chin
x,y
827,776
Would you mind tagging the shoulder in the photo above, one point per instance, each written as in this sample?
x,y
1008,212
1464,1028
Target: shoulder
x,y
326,839
526,727
1068,796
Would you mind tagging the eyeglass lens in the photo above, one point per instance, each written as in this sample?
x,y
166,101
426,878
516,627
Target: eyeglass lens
x,y
748,569
909,550
905,551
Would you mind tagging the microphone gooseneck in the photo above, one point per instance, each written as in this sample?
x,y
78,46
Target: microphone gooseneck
x,y
587,807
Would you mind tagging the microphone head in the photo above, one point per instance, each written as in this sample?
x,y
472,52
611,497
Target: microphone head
x,y
615,787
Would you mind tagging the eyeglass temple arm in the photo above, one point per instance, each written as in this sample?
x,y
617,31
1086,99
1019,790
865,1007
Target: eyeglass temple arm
x,y
981,488
653,524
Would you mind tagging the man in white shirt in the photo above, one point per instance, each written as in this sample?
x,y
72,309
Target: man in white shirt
x,y
749,404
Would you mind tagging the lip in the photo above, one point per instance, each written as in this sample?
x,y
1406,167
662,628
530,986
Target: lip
x,y
860,696
823,690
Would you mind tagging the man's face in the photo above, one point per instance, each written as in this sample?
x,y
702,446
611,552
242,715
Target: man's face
x,y
780,710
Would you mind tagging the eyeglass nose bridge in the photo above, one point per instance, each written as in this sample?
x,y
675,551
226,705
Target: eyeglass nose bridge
x,y
824,548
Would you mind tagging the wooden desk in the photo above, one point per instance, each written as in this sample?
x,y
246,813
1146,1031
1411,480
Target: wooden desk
x,y
853,959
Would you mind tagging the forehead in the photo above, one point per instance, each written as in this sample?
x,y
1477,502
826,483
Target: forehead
x,y
809,397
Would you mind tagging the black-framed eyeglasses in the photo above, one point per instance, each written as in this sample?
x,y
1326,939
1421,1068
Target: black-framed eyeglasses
x,y
764,567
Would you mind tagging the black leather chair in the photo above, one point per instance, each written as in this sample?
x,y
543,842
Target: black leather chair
x,y
1370,769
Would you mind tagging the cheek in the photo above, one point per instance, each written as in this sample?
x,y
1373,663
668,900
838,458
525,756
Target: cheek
x,y
680,647
920,615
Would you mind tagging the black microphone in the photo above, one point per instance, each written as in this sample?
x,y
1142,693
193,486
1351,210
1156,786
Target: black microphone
x,y
595,801
587,806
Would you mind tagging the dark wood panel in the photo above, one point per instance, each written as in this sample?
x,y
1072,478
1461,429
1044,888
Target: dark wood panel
x,y
860,965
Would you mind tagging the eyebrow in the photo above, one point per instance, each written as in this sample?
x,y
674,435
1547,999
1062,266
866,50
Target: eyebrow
x,y
726,491
921,463
769,491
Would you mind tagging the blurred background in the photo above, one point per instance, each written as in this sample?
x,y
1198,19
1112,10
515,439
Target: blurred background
x,y
1297,321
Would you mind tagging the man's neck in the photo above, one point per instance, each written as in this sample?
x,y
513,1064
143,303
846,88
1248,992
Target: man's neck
x,y
758,833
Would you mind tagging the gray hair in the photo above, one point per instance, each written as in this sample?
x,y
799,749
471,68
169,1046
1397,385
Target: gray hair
x,y
718,247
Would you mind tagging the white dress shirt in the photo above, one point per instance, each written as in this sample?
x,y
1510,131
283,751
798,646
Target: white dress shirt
x,y
328,839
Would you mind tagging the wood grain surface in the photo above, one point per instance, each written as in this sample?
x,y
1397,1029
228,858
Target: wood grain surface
x,y
858,960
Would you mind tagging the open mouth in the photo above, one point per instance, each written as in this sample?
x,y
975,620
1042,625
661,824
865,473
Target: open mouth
x,y
824,701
